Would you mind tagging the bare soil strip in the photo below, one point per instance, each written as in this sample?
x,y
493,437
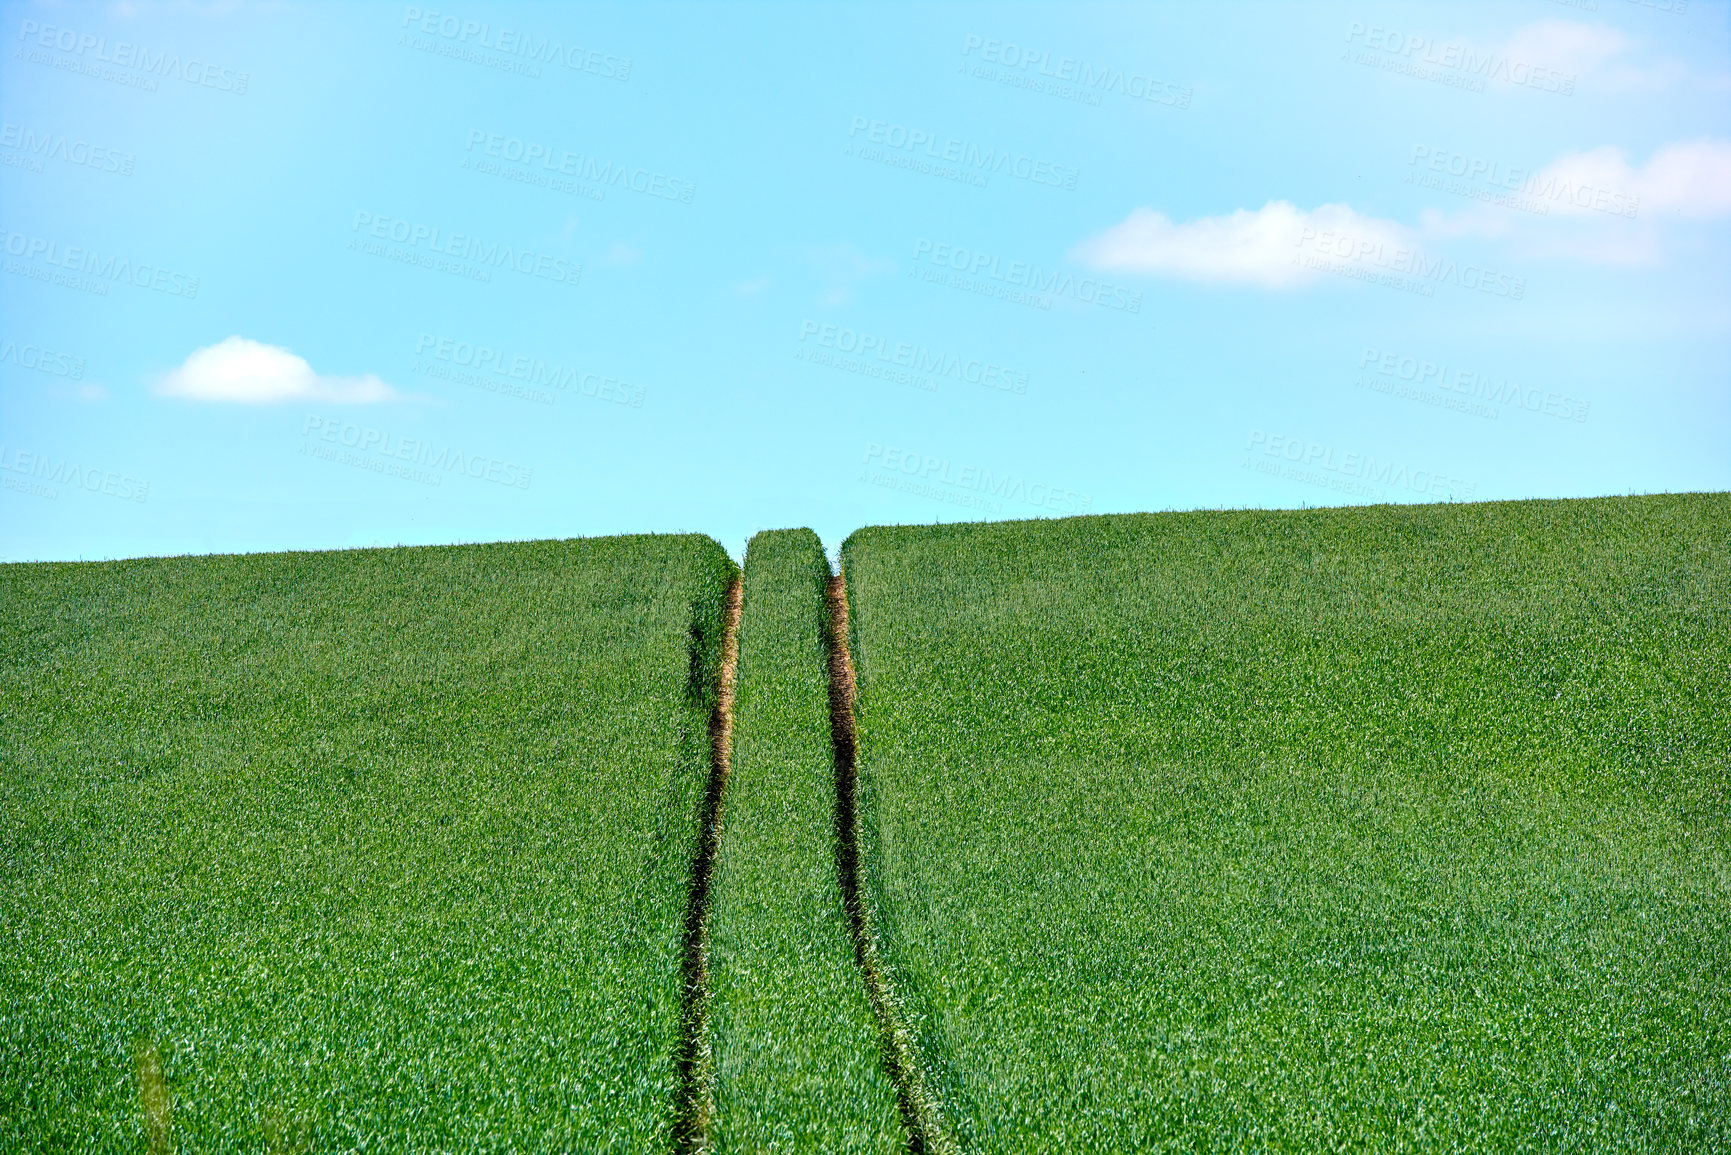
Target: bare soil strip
x,y
695,1108
928,1133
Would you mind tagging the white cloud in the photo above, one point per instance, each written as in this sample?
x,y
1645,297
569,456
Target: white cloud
x,y
1564,45
250,373
1596,207
1599,208
1597,55
1570,184
1243,248
1556,56
1688,179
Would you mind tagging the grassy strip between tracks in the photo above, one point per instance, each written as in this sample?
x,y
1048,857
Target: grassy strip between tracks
x,y
794,1042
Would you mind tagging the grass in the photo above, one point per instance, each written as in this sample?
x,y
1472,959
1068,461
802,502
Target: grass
x,y
1395,828
795,1046
380,850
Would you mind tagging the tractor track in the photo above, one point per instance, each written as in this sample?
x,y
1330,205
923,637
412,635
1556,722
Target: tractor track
x,y
694,1111
928,1133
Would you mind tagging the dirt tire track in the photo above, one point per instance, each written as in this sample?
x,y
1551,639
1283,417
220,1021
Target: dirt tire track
x,y
922,1114
694,1110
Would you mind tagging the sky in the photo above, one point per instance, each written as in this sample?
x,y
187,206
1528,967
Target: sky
x,y
313,275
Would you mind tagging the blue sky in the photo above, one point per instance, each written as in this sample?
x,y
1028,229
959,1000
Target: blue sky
x,y
306,276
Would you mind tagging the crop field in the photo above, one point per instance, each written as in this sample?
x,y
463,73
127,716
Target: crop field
x,y
1387,828
794,1043
375,850
1383,828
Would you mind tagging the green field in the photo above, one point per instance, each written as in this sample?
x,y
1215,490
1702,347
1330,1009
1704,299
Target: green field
x,y
795,1044
375,850
1385,828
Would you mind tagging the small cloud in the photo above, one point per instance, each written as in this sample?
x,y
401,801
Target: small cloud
x,y
247,372
1689,179
753,287
621,254
84,392
842,267
1564,45
1555,56
1597,207
1242,248
1600,56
